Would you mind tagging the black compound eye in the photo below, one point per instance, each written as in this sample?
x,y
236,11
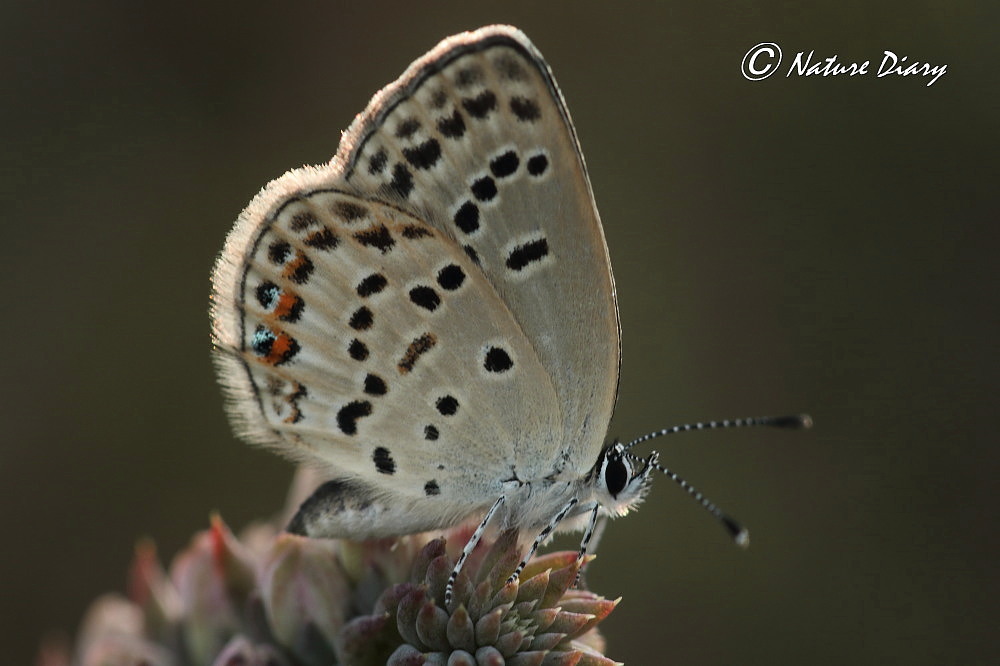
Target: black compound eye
x,y
616,474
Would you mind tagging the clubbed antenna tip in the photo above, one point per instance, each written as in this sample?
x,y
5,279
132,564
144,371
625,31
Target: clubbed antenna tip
x,y
796,422
740,534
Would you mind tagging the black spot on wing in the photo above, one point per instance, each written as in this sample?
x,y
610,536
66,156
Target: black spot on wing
x,y
451,277
505,165
425,155
267,294
407,128
497,360
537,164
526,110
447,405
349,211
452,126
481,105
383,461
377,237
402,181
484,188
510,68
425,297
302,221
357,350
377,162
375,385
324,239
439,99
278,252
300,269
468,76
347,417
372,284
528,253
362,319
415,231
467,217
262,341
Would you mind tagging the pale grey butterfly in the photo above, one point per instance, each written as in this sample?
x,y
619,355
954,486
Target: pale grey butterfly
x,y
430,318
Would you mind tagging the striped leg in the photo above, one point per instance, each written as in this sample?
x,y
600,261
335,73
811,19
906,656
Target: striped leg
x,y
541,537
587,536
470,546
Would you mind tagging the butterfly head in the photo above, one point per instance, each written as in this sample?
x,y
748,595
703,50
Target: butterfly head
x,y
621,478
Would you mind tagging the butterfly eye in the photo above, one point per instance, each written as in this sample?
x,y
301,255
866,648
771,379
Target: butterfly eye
x,y
616,475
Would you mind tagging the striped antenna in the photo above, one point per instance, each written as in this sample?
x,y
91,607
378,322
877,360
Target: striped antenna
x,y
739,534
796,422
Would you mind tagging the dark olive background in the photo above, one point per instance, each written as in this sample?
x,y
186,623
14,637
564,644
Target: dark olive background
x,y
820,244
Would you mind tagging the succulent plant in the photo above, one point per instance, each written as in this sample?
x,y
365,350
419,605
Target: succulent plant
x,y
271,598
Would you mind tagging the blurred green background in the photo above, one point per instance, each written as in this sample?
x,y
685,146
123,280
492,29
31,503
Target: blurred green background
x,y
796,244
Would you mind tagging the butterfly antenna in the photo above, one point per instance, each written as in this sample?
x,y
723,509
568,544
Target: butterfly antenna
x,y
796,422
739,534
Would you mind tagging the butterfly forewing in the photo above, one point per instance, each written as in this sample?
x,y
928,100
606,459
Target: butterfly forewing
x,y
433,311
476,139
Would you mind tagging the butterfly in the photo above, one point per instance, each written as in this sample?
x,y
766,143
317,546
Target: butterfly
x,y
430,318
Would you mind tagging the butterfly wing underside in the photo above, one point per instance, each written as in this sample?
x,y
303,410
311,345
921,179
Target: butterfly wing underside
x,y
433,312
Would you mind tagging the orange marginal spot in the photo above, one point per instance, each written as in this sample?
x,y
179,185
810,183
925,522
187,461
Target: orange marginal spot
x,y
295,416
282,349
300,267
286,304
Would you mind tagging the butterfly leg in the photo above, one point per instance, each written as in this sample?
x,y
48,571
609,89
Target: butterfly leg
x,y
470,545
541,537
592,529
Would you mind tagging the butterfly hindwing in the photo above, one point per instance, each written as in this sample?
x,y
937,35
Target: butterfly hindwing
x,y
364,334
